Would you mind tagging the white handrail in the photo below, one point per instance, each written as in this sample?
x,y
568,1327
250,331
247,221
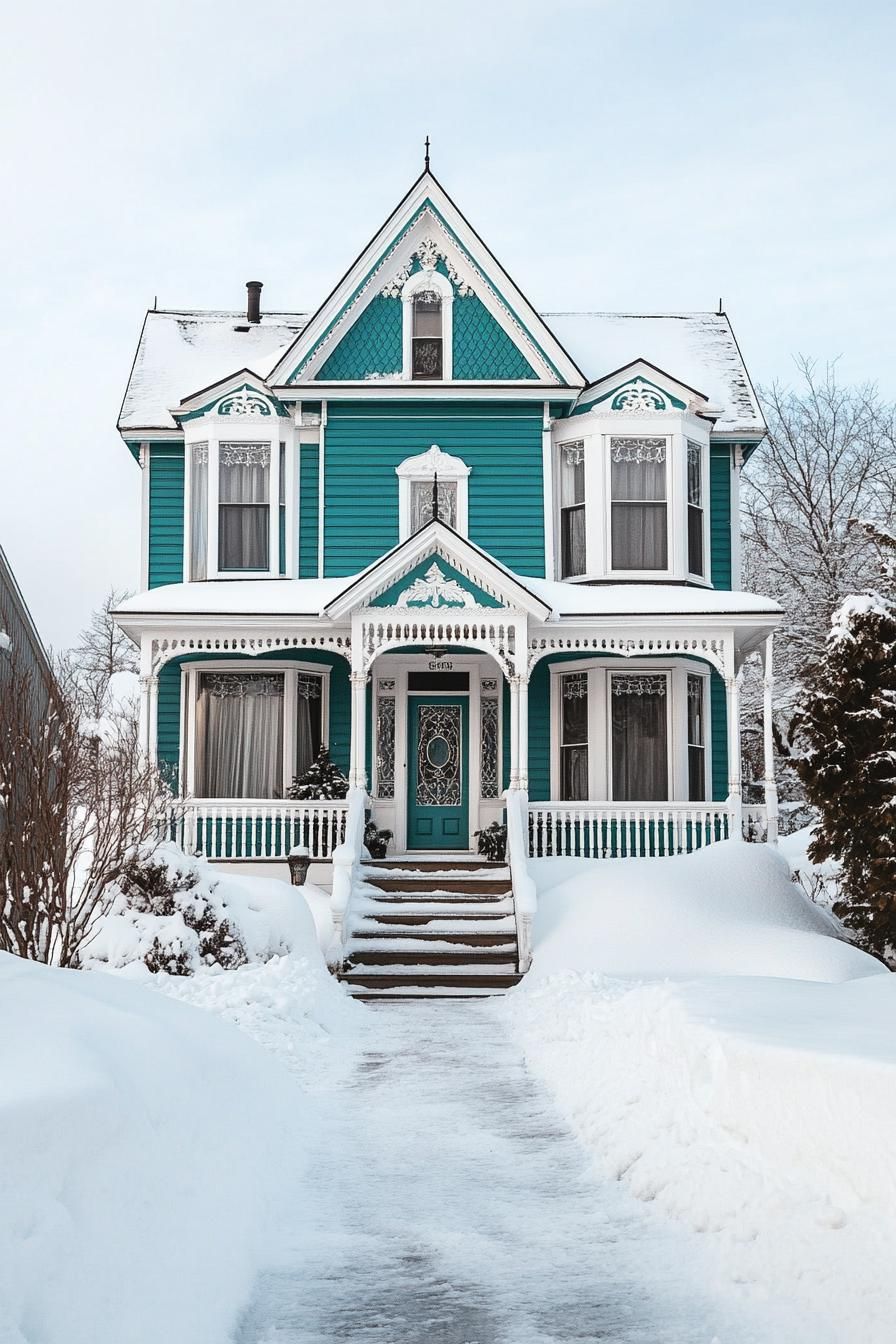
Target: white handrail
x,y
346,858
257,828
525,900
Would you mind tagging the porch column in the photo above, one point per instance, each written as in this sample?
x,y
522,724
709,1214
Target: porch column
x,y
523,744
357,772
515,732
771,787
734,801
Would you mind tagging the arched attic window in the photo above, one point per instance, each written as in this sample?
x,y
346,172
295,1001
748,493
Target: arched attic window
x,y
427,299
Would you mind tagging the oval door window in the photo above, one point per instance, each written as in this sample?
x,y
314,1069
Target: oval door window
x,y
438,753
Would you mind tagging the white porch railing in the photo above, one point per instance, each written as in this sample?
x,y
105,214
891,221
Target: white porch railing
x,y
258,830
633,830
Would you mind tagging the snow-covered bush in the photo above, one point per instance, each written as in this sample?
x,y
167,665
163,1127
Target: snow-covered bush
x,y
175,913
191,921
322,779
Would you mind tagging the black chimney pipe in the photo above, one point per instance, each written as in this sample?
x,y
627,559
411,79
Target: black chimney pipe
x,y
253,305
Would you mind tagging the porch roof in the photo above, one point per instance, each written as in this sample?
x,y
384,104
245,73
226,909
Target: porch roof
x,y
309,598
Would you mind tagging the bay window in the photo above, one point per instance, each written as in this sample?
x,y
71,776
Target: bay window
x,y
572,510
574,736
696,739
695,508
639,746
244,485
638,492
254,731
199,511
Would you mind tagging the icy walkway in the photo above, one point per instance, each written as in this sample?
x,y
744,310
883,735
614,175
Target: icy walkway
x,y
445,1204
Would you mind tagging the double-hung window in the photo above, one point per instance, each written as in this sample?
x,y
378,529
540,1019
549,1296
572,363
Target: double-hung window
x,y
696,739
574,736
426,339
638,726
254,731
639,522
244,506
572,509
695,508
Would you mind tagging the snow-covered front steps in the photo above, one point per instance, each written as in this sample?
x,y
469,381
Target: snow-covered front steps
x,y
437,928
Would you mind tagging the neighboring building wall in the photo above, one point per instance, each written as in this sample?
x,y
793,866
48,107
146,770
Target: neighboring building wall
x,y
501,443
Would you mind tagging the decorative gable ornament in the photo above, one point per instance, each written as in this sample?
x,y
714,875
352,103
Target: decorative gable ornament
x,y
433,463
435,589
639,398
428,253
244,402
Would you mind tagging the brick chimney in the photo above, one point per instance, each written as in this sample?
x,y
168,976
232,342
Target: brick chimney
x,y
253,304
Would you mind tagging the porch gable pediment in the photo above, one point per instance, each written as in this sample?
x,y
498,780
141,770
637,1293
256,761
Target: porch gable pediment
x,y
437,569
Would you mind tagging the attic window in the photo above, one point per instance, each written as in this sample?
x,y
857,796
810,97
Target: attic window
x,y
426,341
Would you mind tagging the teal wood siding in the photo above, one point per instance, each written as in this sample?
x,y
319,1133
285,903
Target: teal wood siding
x,y
540,728
169,730
720,520
719,735
501,442
308,510
481,347
166,514
168,733
372,345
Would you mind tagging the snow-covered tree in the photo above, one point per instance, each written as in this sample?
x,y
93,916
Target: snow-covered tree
x,y
103,652
846,729
322,779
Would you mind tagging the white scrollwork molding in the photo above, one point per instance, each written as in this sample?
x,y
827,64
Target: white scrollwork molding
x,y
428,253
435,589
167,647
243,403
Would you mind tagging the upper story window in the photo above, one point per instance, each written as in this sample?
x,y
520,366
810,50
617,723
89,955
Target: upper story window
x,y
572,509
426,344
695,508
244,513
237,508
639,523
427,297
416,504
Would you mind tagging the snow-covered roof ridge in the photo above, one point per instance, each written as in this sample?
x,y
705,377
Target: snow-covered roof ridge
x,y
182,350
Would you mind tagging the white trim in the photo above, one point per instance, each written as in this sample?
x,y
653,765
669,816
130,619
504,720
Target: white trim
x,y
423,468
737,463
190,673
145,460
600,764
321,486
547,486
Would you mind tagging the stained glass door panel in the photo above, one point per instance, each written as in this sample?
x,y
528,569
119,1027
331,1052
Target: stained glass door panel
x,y
438,801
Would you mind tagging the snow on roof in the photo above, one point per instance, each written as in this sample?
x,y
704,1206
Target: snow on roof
x,y
697,349
180,353
308,597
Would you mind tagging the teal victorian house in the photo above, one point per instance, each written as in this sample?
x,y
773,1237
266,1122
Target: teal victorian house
x,y
488,555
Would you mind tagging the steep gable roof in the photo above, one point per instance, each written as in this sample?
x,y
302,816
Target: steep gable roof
x,y
426,214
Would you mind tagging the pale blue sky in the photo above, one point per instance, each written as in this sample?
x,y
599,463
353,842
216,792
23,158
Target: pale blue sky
x,y
651,157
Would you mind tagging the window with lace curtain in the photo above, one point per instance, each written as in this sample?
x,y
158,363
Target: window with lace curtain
x,y
695,508
423,505
638,491
244,506
572,509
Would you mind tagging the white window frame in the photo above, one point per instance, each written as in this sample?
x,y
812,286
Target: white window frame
x,y
421,469
559,508
643,574
271,431
191,673
600,741
705,506
434,280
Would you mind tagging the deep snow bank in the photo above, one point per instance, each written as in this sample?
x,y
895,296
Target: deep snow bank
x,y
143,1145
760,1112
730,909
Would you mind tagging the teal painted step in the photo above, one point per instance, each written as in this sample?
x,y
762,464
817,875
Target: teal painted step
x,y
500,442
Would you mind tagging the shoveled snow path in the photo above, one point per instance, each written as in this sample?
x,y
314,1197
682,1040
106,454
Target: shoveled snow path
x,y
446,1203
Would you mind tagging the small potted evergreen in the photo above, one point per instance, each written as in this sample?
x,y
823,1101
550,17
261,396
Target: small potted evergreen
x,y
322,782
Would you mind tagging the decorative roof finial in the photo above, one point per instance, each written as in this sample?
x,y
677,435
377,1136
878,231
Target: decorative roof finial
x,y
426,155
435,497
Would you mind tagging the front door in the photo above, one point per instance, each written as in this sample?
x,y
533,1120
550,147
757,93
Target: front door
x,y
438,809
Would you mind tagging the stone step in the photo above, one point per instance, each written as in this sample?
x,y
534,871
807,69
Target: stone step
x,y
466,885
500,959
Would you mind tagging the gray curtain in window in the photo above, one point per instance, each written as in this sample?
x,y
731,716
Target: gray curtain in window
x,y
244,515
239,736
421,503
198,511
640,767
639,514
